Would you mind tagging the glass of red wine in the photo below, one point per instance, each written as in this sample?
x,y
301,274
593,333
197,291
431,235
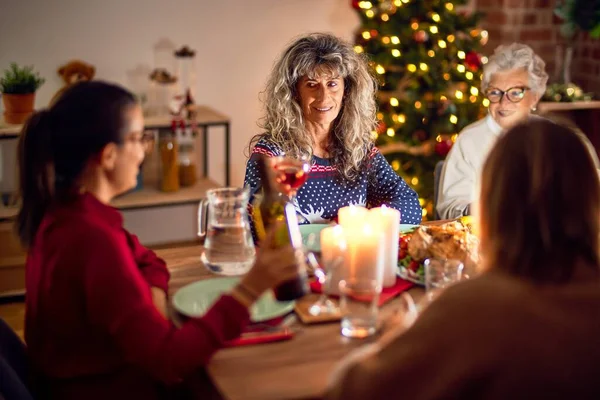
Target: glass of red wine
x,y
290,174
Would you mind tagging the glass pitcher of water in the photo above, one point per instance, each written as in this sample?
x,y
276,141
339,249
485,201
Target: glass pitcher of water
x,y
223,222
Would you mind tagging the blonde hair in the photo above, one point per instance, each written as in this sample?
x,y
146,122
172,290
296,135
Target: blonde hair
x,y
283,121
535,219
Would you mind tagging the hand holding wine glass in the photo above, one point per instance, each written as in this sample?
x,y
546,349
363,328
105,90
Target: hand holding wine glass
x,y
290,175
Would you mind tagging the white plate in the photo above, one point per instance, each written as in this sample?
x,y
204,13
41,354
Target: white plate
x,y
195,299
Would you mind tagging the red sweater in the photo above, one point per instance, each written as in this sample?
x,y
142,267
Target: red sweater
x,y
91,327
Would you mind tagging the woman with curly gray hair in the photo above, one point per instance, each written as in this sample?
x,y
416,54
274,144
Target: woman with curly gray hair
x,y
320,104
514,80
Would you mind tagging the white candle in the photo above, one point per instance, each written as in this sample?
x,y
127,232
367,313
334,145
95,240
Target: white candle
x,y
352,217
387,221
365,253
333,255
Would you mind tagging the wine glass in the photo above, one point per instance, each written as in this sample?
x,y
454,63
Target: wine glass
x,y
330,269
324,275
291,174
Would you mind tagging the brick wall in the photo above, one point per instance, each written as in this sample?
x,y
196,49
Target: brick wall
x,y
586,64
533,22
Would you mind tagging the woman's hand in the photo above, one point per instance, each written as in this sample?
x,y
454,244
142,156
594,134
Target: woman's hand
x,y
159,298
401,319
272,267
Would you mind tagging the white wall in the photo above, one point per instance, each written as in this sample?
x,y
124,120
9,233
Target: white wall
x,y
236,43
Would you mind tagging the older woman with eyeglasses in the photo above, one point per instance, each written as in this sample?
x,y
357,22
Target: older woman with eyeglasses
x,y
513,80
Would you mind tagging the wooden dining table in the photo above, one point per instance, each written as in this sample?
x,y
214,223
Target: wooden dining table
x,y
294,369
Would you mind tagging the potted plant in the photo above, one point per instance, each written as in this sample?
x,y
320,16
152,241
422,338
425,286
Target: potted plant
x,y
18,86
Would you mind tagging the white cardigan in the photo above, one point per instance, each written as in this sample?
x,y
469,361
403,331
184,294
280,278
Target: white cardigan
x,y
463,166
462,170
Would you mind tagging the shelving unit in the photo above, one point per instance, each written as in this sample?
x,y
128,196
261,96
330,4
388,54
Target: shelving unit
x,y
206,118
149,196
547,106
152,197
585,114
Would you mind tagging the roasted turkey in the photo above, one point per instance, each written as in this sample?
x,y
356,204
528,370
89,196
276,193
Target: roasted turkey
x,y
451,240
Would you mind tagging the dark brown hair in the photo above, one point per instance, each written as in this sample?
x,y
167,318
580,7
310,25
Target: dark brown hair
x,y
57,143
540,203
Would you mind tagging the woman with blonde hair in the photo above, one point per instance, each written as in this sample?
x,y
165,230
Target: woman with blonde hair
x,y
528,327
320,104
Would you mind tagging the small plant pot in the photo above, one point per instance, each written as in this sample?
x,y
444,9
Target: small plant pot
x,y
17,107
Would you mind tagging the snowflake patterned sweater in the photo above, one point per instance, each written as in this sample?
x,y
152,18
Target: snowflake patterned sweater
x,y
320,198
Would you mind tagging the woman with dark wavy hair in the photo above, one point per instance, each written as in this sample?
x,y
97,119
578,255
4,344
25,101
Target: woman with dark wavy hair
x,y
320,103
528,327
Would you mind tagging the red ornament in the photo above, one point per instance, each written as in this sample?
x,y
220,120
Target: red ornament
x,y
355,4
473,61
442,148
381,127
374,33
421,36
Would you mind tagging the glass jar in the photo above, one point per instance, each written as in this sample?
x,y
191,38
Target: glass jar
x,y
169,162
187,166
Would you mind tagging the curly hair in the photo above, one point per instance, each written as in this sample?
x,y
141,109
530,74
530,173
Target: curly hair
x,y
283,121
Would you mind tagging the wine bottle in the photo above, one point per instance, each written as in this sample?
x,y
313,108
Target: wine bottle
x,y
269,208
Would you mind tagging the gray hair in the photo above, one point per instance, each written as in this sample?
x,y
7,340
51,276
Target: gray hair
x,y
515,56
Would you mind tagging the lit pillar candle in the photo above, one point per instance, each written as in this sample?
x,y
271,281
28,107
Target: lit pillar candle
x,y
333,255
365,253
352,217
387,221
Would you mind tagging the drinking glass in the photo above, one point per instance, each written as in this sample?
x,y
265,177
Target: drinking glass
x,y
358,305
441,273
291,174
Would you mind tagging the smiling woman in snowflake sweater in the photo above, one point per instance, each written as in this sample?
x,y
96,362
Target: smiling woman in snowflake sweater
x,y
320,103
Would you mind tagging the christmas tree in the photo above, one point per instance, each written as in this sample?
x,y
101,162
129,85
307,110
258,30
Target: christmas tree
x,y
426,56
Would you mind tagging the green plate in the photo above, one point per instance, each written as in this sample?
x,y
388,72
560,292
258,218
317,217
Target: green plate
x,y
195,299
310,231
407,228
311,236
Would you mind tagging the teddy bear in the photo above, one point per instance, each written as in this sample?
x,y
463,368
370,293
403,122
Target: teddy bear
x,y
72,72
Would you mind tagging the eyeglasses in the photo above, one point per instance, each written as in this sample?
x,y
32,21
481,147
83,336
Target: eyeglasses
x,y
144,138
514,94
